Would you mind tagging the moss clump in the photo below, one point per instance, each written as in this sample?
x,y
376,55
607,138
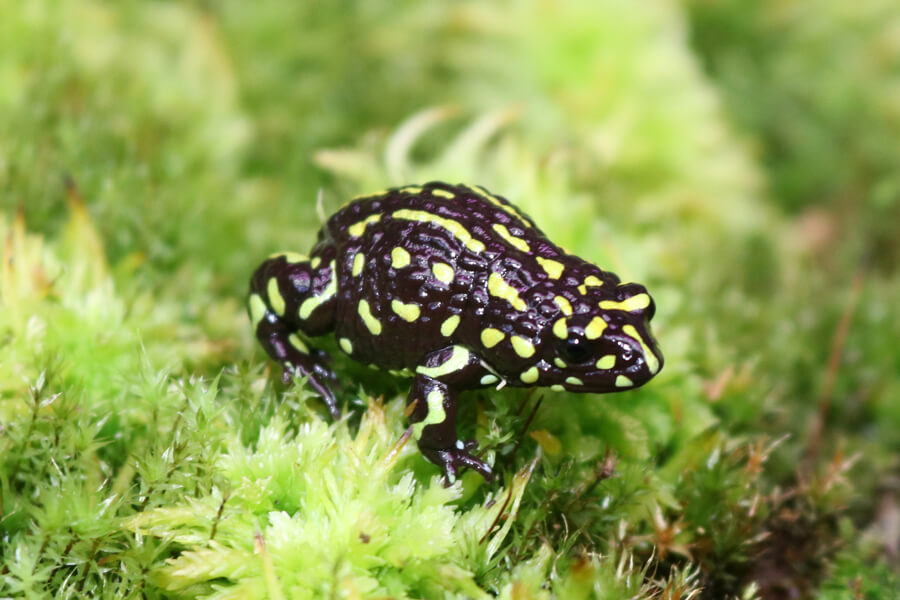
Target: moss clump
x,y
319,511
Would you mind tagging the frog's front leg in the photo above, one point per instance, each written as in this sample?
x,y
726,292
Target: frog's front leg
x,y
289,296
432,399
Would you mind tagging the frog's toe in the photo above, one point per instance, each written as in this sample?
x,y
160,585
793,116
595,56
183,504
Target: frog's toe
x,y
324,373
454,459
468,445
318,382
462,458
327,395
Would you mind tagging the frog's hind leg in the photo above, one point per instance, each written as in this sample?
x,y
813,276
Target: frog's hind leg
x,y
291,295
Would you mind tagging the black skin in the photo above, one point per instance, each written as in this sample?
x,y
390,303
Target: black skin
x,y
462,290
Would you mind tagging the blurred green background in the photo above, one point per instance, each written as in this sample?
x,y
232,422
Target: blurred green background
x,y
739,158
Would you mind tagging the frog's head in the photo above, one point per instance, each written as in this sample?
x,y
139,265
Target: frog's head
x,y
605,344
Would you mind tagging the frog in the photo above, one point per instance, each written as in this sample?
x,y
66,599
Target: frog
x,y
458,289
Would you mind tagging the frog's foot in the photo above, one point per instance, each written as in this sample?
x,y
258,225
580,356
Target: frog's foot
x,y
321,379
454,459
298,360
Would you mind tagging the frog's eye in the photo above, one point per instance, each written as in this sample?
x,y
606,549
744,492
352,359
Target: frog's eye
x,y
574,350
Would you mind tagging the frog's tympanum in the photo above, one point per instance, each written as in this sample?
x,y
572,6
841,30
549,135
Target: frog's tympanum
x,y
458,289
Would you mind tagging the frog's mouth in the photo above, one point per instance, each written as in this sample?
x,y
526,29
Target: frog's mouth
x,y
647,360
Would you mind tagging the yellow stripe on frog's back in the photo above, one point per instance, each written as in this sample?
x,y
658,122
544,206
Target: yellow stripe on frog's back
x,y
456,228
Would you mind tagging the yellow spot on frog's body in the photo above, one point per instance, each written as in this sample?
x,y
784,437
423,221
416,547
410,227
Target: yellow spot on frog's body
x,y
560,363
499,288
522,346
316,300
560,329
407,312
490,337
489,379
574,381
595,328
516,242
346,345
399,258
454,227
606,362
365,313
557,388
449,325
411,189
553,268
589,281
359,261
276,300
443,194
651,359
635,303
297,343
530,375
443,272
357,229
622,381
435,415
564,305
457,361
257,309
315,262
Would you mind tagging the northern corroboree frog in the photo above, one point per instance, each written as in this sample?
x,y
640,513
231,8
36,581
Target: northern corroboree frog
x,y
457,288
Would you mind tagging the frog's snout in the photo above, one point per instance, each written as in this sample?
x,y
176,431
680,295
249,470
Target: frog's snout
x,y
640,309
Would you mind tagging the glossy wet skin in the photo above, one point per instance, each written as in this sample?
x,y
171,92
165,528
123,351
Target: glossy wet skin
x,y
459,289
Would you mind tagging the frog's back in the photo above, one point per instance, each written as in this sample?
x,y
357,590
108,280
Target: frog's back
x,y
413,265
468,212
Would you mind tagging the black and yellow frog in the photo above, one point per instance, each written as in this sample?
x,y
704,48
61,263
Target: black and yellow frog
x,y
457,288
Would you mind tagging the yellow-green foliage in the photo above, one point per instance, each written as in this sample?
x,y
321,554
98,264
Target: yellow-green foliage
x,y
321,512
738,158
